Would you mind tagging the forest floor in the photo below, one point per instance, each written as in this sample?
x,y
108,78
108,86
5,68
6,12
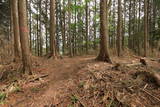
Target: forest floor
x,y
84,82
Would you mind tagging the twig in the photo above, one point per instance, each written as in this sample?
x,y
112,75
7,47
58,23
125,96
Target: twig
x,y
80,101
42,76
145,86
150,94
18,102
54,105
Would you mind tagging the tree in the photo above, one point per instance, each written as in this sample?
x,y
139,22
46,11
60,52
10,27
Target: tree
x,y
95,24
24,39
86,10
63,28
69,30
145,27
46,24
104,51
16,29
119,29
52,28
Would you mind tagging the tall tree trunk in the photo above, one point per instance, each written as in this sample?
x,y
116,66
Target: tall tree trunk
x,y
119,29
24,39
40,29
86,9
114,24
75,30
37,31
104,51
129,26
95,24
139,27
154,23
52,28
46,25
69,30
145,27
63,28
124,26
30,24
58,25
16,29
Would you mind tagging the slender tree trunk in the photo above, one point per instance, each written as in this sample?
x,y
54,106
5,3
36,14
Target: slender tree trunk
x,y
114,24
40,29
154,23
16,29
63,28
30,24
86,9
37,31
52,28
69,30
58,25
24,39
95,25
139,27
46,25
119,29
124,26
145,27
129,26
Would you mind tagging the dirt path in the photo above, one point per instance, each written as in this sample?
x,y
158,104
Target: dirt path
x,y
60,71
64,75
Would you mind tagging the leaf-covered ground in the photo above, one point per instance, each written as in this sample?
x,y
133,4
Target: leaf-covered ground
x,y
84,82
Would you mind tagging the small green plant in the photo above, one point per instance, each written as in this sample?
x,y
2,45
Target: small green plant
x,y
2,97
34,89
74,99
17,89
70,105
81,84
14,88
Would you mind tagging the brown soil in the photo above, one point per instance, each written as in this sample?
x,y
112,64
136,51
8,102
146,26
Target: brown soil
x,y
83,82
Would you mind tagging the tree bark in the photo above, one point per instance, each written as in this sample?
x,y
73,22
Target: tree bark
x,y
16,29
52,28
86,9
104,51
119,29
69,30
24,39
95,24
145,27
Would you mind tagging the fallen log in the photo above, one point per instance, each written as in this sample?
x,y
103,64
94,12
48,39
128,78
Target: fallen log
x,y
38,77
135,64
152,77
156,76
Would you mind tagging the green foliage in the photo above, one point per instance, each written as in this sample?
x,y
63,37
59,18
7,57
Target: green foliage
x,y
81,84
2,97
70,106
157,3
14,89
87,1
74,99
17,89
97,41
155,35
96,17
34,89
